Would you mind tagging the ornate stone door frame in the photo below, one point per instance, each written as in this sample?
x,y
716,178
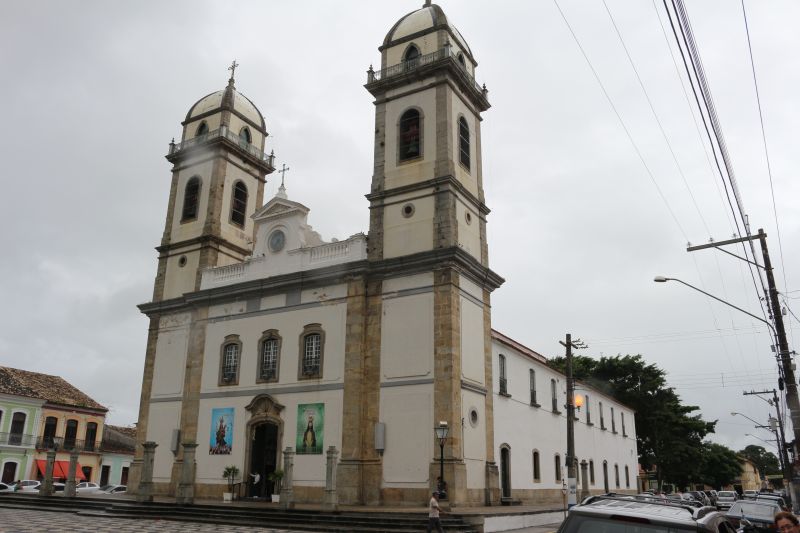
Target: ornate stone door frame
x,y
263,409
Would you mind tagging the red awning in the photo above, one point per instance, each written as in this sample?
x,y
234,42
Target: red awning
x,y
60,469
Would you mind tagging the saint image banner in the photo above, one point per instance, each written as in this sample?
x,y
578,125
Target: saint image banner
x,y
221,431
310,428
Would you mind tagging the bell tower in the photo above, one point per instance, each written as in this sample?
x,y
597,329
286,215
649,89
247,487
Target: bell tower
x,y
218,175
426,355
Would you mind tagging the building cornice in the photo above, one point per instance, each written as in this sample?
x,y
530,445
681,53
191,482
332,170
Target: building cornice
x,y
448,183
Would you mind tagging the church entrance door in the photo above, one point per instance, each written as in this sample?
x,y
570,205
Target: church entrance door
x,y
264,456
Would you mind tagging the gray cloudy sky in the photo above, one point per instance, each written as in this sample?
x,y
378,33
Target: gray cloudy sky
x,y
95,90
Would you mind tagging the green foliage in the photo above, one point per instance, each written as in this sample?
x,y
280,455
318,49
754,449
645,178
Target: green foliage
x,y
720,465
277,478
767,462
230,473
669,436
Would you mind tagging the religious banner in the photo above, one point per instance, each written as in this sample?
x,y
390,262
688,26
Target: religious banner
x,y
221,431
310,428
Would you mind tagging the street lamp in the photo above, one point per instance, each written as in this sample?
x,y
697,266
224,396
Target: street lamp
x,y
441,433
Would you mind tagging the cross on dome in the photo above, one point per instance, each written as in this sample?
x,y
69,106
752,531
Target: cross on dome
x,y
282,189
232,68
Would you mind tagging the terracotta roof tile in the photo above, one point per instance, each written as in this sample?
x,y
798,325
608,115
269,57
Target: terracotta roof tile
x,y
53,389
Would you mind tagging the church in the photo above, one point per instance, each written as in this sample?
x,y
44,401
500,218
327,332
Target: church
x,y
264,337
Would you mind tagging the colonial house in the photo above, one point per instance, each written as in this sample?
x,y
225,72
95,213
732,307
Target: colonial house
x,y
59,417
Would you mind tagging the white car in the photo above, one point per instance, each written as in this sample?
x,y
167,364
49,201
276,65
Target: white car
x,y
115,489
6,488
87,487
28,485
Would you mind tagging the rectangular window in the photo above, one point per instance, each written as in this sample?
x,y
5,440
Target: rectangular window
x,y
230,363
269,359
533,387
588,408
311,355
503,382
622,420
602,420
591,472
558,467
554,395
613,422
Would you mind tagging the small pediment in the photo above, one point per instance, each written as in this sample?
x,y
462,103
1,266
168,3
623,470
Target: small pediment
x,y
280,208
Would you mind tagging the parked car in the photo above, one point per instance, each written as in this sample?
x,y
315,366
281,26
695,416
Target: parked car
x,y
750,494
6,488
726,498
759,514
771,497
712,496
114,489
57,487
700,496
27,485
87,487
614,513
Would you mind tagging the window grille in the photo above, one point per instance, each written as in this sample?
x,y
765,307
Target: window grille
x,y
311,354
269,359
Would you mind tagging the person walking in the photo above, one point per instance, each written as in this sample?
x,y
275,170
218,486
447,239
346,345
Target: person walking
x,y
254,487
433,513
786,522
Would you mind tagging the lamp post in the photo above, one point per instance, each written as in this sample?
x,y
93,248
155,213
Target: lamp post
x,y
773,427
441,433
786,365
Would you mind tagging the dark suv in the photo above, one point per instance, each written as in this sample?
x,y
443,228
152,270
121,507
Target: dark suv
x,y
640,514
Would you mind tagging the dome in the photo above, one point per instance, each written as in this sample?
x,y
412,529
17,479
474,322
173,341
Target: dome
x,y
424,20
241,104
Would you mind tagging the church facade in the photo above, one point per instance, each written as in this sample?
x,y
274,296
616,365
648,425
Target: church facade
x,y
263,336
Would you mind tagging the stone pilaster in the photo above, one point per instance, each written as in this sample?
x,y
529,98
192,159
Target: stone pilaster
x,y
287,487
585,481
447,380
185,492
330,503
144,404
445,122
359,471
144,492
492,491
190,406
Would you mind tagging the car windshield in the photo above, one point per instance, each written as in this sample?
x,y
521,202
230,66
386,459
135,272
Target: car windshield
x,y
619,524
761,511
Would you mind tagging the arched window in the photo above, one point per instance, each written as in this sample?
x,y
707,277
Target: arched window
x,y
463,141
537,473
461,60
269,356
244,136
49,436
230,355
605,476
70,434
17,428
91,436
312,350
191,197
202,129
558,467
411,57
616,475
591,471
239,203
627,477
410,144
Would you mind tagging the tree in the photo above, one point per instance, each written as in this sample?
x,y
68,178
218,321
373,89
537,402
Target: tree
x,y
669,436
720,465
766,461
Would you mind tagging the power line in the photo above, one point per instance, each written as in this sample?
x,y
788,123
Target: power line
x,y
622,122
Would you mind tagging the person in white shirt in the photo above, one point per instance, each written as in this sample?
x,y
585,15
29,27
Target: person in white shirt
x,y
433,514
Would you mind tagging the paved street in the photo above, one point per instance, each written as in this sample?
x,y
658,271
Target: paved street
x,y
24,520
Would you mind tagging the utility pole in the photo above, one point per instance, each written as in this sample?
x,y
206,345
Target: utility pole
x,y
780,436
571,460
784,354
